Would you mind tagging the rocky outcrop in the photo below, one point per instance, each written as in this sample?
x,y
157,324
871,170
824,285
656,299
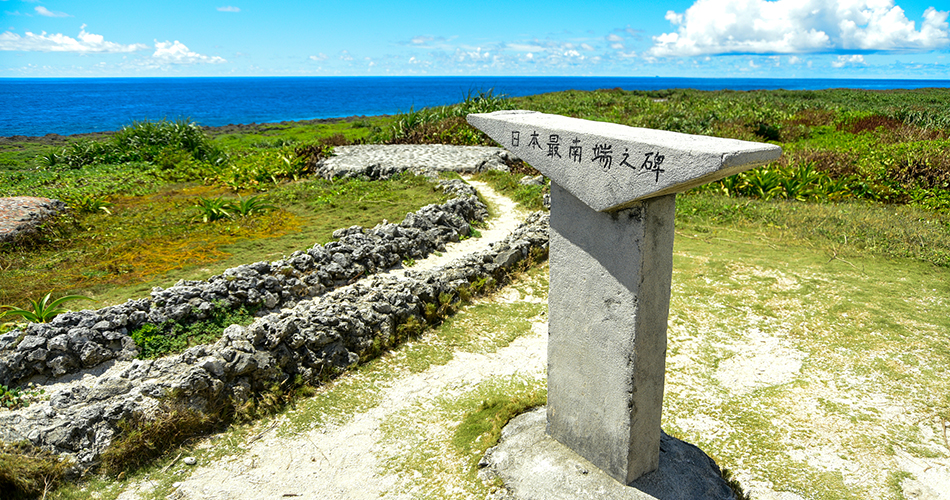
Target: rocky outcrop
x,y
21,216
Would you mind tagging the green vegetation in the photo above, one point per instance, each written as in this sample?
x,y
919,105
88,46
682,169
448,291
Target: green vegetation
x,y
445,124
839,230
530,197
28,473
481,428
839,144
42,311
15,397
162,201
213,209
171,337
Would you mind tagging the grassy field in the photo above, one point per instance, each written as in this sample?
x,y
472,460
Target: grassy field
x,y
805,374
144,223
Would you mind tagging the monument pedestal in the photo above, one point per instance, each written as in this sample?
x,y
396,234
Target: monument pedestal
x,y
608,304
533,466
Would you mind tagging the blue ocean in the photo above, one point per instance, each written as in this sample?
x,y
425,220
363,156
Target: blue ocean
x,y
65,106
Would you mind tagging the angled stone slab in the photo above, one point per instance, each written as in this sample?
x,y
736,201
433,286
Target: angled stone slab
x,y
610,166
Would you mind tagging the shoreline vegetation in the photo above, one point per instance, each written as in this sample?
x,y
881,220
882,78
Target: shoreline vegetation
x,y
864,182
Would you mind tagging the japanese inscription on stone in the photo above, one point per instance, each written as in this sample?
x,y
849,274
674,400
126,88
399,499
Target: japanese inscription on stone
x,y
610,166
602,155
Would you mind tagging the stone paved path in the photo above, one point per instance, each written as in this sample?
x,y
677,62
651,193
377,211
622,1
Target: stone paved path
x,y
386,160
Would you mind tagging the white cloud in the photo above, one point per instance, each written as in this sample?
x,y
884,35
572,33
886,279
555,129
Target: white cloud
x,y
177,53
319,57
85,43
854,60
229,9
426,41
616,46
524,47
614,38
43,11
345,56
798,26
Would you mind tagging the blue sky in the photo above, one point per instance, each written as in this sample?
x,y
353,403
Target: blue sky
x,y
701,38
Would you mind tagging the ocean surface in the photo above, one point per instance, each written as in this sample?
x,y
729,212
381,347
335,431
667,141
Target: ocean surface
x,y
65,106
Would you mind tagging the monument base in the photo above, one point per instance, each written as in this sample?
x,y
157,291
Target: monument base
x,y
532,465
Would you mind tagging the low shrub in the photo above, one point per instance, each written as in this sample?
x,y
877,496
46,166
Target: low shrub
x,y
171,337
28,472
143,438
12,398
41,311
141,141
446,124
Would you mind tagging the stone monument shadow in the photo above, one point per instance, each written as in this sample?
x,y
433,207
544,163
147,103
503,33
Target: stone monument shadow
x,y
533,465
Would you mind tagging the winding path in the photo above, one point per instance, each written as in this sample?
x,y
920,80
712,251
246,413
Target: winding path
x,y
343,461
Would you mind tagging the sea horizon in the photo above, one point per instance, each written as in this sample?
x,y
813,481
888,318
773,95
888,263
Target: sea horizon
x,y
37,106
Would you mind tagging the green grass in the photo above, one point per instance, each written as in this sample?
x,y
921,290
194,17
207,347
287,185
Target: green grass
x,y
840,229
27,472
871,336
507,183
157,239
171,337
882,146
282,134
444,464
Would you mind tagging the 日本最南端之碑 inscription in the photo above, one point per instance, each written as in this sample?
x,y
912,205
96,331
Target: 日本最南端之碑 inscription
x,y
611,252
608,165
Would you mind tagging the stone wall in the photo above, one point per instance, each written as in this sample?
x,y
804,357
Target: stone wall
x,y
313,339
84,339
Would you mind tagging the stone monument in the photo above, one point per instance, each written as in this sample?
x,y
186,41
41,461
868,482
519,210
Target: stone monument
x,y
611,252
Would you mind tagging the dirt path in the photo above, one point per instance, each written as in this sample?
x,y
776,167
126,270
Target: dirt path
x,y
508,218
344,461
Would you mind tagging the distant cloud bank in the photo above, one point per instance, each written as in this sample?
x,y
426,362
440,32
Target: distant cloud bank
x,y
715,27
178,53
85,43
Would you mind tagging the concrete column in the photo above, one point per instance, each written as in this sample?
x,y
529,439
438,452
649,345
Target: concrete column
x,y
608,306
